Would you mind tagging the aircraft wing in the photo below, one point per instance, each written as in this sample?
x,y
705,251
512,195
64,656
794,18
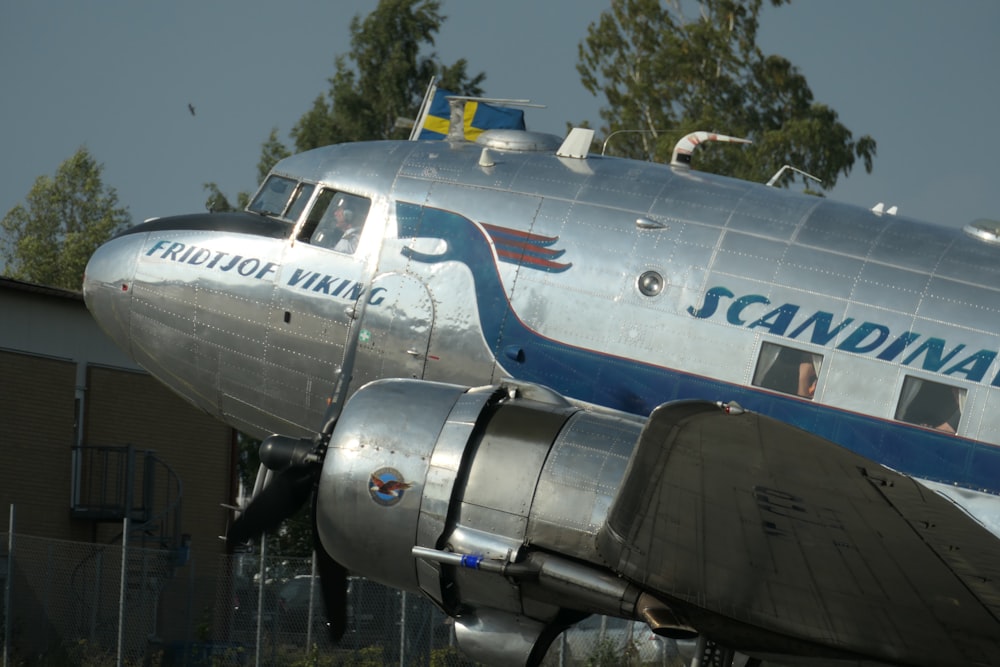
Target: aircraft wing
x,y
769,537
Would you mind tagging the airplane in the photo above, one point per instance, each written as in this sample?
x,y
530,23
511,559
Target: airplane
x,y
546,383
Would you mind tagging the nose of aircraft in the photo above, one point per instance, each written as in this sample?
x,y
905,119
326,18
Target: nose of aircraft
x,y
107,286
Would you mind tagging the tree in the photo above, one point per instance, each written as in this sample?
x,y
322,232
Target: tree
x,y
271,151
387,80
667,75
383,78
49,239
218,202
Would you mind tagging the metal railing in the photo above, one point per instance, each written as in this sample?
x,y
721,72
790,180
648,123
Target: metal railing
x,y
111,483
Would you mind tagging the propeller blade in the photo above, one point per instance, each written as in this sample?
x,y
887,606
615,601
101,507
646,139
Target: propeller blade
x,y
280,499
333,584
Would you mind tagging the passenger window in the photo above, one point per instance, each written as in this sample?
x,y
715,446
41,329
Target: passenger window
x,y
273,196
336,221
788,370
931,404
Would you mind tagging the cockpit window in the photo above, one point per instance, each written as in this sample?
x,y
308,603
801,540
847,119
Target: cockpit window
x,y
788,370
931,404
335,221
273,196
299,200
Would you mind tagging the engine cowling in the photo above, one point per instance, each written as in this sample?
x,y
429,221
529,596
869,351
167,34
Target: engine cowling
x,y
513,476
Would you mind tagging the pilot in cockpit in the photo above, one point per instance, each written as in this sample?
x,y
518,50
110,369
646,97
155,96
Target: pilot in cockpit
x,y
340,226
346,221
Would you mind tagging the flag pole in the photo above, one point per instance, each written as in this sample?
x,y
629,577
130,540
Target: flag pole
x,y
425,108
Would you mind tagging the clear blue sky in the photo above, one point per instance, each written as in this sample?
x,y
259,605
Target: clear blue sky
x,y
117,76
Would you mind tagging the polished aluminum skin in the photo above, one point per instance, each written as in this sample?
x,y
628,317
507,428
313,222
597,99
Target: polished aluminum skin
x,y
511,266
283,330
496,471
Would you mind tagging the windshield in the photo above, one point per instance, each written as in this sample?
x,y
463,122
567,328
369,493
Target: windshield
x,y
273,196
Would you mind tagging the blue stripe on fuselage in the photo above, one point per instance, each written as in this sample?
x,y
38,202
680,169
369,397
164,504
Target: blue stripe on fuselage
x,y
635,387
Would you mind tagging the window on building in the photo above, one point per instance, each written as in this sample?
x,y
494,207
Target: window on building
x,y
788,370
931,404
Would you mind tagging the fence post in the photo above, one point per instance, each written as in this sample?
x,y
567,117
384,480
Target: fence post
x,y
260,596
49,576
402,629
8,586
312,598
121,590
96,603
144,585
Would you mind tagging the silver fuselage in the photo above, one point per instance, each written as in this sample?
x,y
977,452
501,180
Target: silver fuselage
x,y
534,267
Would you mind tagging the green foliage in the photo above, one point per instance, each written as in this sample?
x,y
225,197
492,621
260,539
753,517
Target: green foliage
x,y
382,78
667,75
450,656
203,631
248,462
315,658
217,201
293,656
271,151
604,654
387,79
49,238
372,656
79,653
295,537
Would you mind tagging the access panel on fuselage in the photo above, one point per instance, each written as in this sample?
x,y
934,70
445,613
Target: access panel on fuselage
x,y
395,330
311,323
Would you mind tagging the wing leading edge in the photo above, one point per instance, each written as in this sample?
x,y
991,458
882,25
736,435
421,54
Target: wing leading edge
x,y
775,541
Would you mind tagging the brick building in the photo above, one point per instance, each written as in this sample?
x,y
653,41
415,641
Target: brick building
x,y
86,434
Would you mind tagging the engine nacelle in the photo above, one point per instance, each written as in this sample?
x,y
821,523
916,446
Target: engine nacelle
x,y
514,476
376,472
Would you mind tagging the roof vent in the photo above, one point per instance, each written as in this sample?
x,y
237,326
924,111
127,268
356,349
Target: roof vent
x,y
518,140
984,230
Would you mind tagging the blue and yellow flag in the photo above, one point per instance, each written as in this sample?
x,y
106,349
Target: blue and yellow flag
x,y
479,117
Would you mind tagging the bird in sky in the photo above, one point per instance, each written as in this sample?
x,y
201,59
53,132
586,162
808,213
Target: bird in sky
x,y
191,108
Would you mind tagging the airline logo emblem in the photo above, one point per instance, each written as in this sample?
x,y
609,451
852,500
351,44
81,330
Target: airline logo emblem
x,y
531,250
468,242
387,486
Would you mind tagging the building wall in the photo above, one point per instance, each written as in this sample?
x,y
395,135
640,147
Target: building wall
x,y
62,384
37,421
129,408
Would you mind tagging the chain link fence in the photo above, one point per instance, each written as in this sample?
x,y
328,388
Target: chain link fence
x,y
72,603
279,619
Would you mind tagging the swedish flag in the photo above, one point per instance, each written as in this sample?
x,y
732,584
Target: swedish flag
x,y
478,117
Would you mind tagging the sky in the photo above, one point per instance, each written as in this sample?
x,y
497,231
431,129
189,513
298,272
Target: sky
x,y
117,76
